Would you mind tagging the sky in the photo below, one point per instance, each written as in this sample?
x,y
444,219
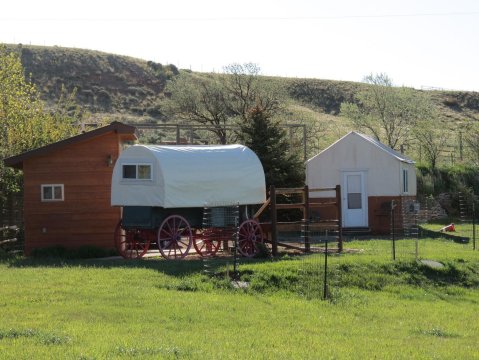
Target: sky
x,y
420,43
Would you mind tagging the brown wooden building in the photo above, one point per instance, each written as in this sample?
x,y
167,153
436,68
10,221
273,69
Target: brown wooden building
x,y
67,189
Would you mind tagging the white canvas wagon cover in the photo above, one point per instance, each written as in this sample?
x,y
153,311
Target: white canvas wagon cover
x,y
179,176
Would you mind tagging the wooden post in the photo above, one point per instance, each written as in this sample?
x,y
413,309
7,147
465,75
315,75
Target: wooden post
x,y
340,217
177,134
274,227
305,151
307,245
473,224
460,146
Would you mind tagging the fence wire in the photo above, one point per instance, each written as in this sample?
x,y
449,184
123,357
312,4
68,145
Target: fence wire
x,y
218,236
421,232
424,224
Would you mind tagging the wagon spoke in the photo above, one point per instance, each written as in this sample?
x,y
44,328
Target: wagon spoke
x,y
170,230
207,242
131,243
182,231
178,249
200,244
249,234
179,239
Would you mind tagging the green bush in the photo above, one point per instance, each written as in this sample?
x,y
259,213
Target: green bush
x,y
457,181
447,179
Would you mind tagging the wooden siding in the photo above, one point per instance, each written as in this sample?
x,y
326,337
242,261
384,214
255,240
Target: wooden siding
x,y
379,212
85,217
326,212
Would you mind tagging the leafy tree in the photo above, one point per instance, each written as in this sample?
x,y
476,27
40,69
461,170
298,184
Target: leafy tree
x,y
432,139
282,165
247,90
24,122
471,138
221,100
387,112
200,100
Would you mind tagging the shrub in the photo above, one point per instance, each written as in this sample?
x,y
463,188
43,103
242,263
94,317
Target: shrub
x,y
455,181
103,99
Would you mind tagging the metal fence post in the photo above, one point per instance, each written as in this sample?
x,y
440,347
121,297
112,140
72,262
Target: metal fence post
x,y
393,206
417,236
473,225
325,289
340,218
307,244
274,227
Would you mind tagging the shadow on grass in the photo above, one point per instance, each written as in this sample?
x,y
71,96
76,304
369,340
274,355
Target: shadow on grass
x,y
180,268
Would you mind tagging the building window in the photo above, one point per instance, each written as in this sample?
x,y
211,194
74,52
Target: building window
x,y
405,181
52,192
137,171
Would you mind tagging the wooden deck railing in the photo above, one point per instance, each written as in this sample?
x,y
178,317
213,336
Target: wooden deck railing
x,y
305,205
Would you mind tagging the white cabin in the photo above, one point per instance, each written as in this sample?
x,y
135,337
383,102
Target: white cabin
x,y
370,173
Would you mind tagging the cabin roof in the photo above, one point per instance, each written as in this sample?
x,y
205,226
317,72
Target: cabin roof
x,y
390,151
395,154
128,132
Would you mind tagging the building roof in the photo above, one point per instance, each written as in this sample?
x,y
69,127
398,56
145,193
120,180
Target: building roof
x,y
190,176
392,152
128,132
377,143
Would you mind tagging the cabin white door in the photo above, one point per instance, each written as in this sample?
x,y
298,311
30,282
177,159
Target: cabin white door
x,y
354,202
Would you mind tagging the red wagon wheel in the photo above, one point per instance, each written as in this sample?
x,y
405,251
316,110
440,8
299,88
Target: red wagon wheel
x,y
206,242
131,243
249,236
174,237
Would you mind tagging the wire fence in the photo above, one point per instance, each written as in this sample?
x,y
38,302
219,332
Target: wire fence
x,y
11,224
421,232
417,230
424,223
219,237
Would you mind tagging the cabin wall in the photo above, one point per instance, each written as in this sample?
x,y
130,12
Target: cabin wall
x,y
353,153
379,212
85,216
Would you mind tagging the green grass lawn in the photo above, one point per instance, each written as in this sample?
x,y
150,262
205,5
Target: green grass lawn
x,y
154,309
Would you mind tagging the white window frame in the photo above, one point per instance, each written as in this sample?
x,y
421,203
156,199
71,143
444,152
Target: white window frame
x,y
405,181
52,186
136,178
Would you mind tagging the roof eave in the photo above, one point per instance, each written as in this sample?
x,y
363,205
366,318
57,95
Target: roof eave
x,y
128,131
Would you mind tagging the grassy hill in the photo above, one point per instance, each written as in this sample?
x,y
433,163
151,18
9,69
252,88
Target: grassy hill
x,y
106,84
131,90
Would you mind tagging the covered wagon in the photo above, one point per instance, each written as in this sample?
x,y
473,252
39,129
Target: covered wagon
x,y
166,191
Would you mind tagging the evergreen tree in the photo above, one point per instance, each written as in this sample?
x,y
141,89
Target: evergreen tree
x,y
281,163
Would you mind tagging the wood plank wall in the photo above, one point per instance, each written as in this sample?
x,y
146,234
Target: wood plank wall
x,y
85,217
